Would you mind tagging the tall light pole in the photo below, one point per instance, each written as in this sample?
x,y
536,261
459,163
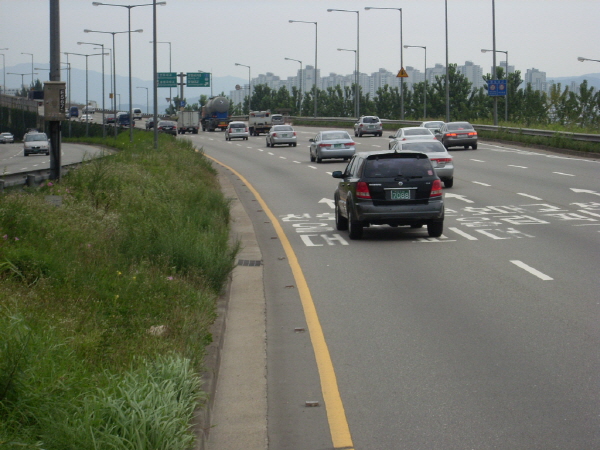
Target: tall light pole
x,y
31,54
170,69
147,102
357,99
494,75
299,82
114,67
401,60
3,87
3,72
355,70
315,93
129,7
425,78
249,87
447,81
483,50
103,94
87,122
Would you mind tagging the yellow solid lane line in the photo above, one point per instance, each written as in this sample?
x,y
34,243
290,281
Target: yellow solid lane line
x,y
338,424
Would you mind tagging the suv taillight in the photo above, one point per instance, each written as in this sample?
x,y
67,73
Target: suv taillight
x,y
362,190
436,189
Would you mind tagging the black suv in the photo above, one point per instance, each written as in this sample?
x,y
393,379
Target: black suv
x,y
368,125
387,188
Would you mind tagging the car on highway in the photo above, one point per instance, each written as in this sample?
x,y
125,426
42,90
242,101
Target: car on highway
x,y
109,119
457,134
87,118
137,114
433,125
150,123
388,188
237,130
442,161
36,143
281,135
6,138
167,126
368,125
73,111
123,119
331,144
410,133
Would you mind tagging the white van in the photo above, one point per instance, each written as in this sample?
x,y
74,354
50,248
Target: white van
x,y
137,114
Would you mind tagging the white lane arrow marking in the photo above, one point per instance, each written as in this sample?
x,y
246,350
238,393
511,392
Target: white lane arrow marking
x,y
329,201
584,191
460,197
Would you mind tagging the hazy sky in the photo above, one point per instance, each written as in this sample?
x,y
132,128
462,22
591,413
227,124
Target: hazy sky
x,y
212,36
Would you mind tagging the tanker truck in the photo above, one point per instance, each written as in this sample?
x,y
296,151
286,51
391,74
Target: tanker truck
x,y
215,114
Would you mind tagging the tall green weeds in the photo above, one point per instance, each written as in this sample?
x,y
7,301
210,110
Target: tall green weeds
x,y
106,300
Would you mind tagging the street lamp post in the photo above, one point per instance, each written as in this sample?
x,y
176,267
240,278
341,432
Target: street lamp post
x,y
103,94
315,77
249,87
87,121
582,59
299,82
447,81
355,71
114,67
22,77
3,72
170,69
483,50
401,60
357,76
147,102
129,7
31,54
425,78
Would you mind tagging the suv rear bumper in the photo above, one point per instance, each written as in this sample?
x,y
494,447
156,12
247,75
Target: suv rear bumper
x,y
400,214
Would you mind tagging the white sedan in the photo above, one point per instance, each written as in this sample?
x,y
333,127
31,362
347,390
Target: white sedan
x,y
87,118
409,134
441,160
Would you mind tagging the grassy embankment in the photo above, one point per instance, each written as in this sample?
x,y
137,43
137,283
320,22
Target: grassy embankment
x,y
106,300
560,140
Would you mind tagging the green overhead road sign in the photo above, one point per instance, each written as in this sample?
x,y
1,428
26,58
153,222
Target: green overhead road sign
x,y
167,79
198,79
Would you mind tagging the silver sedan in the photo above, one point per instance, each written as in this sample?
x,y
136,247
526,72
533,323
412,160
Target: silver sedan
x,y
332,144
442,161
281,134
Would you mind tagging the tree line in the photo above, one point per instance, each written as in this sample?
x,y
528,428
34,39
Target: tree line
x,y
526,106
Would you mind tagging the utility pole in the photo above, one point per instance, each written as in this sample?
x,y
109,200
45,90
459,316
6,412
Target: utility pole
x,y
55,147
181,83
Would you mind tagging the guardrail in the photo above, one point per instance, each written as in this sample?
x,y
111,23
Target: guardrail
x,y
514,130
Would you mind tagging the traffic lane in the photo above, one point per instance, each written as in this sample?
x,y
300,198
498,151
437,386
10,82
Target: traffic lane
x,y
292,375
12,159
459,362
265,165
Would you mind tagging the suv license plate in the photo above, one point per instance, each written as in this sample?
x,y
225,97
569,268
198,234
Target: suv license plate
x,y
399,194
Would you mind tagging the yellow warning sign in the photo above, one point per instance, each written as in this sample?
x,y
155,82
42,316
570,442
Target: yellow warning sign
x,y
402,74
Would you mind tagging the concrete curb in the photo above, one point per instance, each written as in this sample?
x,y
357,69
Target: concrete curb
x,y
235,414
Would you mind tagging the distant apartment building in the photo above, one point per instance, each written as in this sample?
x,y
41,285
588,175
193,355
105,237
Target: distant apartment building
x,y
537,79
473,73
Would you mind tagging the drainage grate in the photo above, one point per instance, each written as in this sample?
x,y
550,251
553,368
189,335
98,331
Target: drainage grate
x,y
249,262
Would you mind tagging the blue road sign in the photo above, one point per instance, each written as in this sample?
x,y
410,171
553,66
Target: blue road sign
x,y
496,88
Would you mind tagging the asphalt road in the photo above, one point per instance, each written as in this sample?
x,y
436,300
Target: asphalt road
x,y
484,338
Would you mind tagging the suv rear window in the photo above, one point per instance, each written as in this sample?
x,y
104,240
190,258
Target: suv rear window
x,y
393,167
